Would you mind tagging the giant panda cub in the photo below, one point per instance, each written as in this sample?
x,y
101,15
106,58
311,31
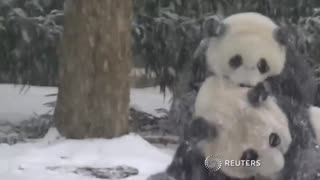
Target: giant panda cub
x,y
247,51
245,133
226,100
251,51
264,137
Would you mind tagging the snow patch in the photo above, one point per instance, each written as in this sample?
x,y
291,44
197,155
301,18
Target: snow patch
x,y
31,160
149,100
18,104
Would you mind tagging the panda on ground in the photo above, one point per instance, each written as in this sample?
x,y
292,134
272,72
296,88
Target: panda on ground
x,y
267,142
264,137
249,50
242,130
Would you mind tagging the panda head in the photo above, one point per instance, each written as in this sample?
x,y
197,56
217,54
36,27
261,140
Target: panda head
x,y
263,136
247,48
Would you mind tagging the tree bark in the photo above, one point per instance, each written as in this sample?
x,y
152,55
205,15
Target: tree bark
x,y
93,94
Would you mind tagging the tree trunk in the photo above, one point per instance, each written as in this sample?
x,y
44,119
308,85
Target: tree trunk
x,y
93,95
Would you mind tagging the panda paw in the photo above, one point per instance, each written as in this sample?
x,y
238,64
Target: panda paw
x,y
200,129
159,176
258,94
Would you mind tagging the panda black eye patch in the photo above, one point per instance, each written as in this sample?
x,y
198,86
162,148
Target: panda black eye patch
x,y
263,66
274,140
235,61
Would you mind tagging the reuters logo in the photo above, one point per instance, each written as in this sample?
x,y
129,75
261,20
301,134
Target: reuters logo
x,y
213,163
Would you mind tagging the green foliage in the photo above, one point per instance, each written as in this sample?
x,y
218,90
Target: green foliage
x,y
29,35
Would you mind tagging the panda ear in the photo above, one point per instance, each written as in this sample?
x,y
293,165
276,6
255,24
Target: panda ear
x,y
281,35
213,27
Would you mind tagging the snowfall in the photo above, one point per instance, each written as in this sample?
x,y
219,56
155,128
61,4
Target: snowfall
x,y
56,158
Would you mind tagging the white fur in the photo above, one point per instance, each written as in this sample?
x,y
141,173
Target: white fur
x,y
250,35
314,113
241,127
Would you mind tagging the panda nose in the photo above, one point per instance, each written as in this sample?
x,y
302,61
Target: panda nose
x,y
250,155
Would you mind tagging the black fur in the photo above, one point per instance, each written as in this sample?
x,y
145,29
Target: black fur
x,y
281,35
213,27
263,66
258,94
198,130
235,61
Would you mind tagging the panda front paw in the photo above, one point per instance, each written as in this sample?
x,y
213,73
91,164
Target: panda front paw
x,y
159,176
258,94
199,129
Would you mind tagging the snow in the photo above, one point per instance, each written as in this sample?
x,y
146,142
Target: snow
x,y
149,100
25,36
32,160
18,104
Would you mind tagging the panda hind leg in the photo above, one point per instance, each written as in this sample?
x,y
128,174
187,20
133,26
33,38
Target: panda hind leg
x,y
187,164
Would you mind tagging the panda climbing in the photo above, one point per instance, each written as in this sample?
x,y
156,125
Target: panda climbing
x,y
256,49
245,50
251,51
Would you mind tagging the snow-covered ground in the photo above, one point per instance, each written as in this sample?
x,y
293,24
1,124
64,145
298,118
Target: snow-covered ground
x,y
53,158
37,160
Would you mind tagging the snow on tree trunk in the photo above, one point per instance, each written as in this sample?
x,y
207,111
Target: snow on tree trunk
x,y
93,95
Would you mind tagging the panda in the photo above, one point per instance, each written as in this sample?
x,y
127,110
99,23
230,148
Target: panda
x,y
244,132
213,105
268,141
251,51
260,43
295,82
